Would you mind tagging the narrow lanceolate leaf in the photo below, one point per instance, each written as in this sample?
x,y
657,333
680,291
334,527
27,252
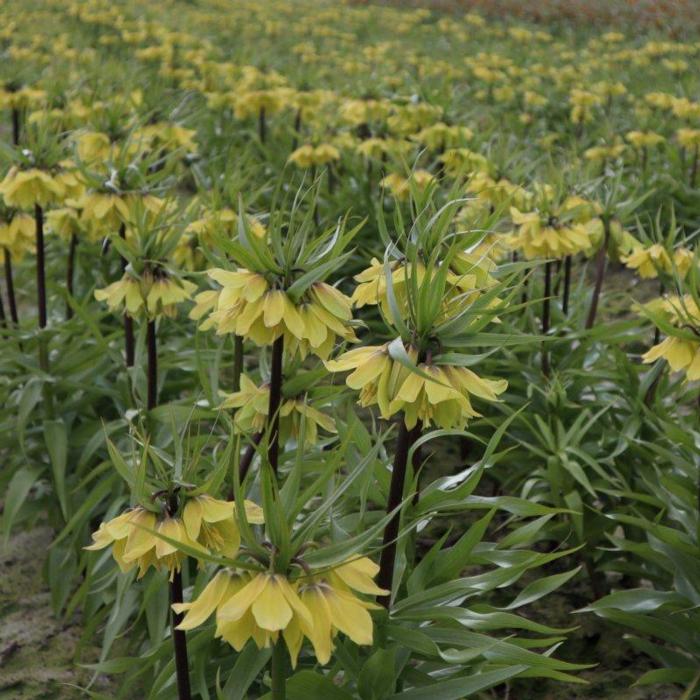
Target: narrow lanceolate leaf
x,y
308,685
17,491
537,589
125,471
462,687
248,666
56,437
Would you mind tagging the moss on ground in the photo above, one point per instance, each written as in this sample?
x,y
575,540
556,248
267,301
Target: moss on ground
x,y
37,649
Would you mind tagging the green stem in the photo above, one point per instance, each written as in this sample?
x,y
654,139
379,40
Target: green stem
x,y
70,273
546,315
567,286
152,398
404,441
273,413
262,125
15,126
42,308
129,342
237,361
182,673
9,280
599,276
40,266
297,129
278,671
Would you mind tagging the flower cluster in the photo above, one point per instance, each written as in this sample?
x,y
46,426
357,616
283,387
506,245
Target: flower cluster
x,y
248,305
298,416
143,538
682,351
431,394
264,605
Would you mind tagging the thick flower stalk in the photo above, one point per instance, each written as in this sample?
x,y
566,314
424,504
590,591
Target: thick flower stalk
x,y
65,222
109,212
18,99
36,188
554,231
17,238
146,539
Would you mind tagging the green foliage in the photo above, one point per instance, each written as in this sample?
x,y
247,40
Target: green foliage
x,y
398,150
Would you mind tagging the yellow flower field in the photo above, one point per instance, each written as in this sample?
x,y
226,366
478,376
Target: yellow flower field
x,y
352,349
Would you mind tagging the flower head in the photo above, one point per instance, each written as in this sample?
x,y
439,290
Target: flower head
x,y
682,351
249,306
438,394
263,605
252,405
648,261
644,139
134,542
18,235
26,188
212,523
64,222
552,234
153,294
307,155
207,525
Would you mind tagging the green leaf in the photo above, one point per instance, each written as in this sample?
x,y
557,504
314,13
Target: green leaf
x,y
639,600
56,438
413,639
29,398
460,688
307,685
296,290
542,587
87,506
446,564
682,676
125,471
249,664
20,485
378,675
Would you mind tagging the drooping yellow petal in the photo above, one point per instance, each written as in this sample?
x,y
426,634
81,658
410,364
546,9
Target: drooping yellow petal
x,y
214,509
192,517
368,371
273,307
234,608
320,632
350,617
353,358
140,540
358,574
208,600
270,609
